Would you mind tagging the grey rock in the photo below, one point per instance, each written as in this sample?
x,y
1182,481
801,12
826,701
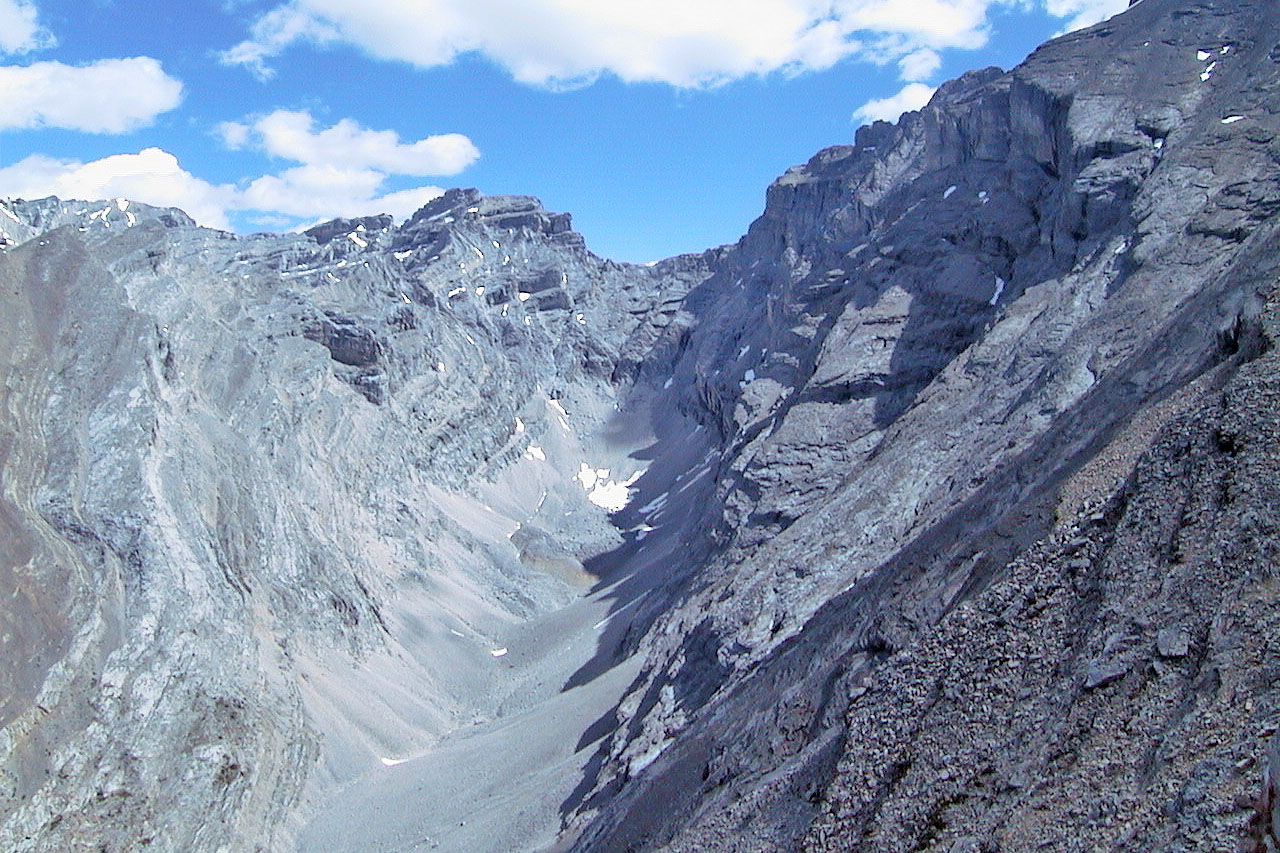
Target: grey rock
x,y
1173,642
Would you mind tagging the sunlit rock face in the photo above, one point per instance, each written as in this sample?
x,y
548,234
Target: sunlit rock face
x,y
938,513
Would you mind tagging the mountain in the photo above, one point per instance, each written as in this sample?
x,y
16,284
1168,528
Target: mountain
x,y
938,513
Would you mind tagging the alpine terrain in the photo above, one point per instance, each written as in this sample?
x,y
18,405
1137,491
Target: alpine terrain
x,y
939,513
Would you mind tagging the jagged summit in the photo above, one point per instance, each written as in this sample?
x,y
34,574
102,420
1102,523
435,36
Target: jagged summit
x,y
937,513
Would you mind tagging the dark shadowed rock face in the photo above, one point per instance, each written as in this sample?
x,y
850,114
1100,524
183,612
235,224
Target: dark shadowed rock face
x,y
938,513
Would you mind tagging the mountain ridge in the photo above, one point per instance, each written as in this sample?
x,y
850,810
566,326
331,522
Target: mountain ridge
x,y
820,540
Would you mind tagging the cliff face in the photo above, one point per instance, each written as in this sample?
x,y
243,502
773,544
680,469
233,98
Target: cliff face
x,y
937,513
935,364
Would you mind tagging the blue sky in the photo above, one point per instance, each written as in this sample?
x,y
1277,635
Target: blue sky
x,y
656,123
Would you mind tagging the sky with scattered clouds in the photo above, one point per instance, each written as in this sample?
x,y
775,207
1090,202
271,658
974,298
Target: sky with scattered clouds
x,y
656,123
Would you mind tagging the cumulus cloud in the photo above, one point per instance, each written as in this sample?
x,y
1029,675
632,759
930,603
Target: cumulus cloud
x,y
1084,13
151,176
919,65
341,170
912,96
295,197
566,43
20,30
293,136
561,43
108,96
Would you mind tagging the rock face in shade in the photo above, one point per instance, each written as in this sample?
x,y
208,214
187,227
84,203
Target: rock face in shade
x,y
938,513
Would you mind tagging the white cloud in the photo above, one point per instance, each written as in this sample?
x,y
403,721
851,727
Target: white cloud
x,y
151,176
296,197
234,134
347,145
109,96
919,65
685,43
20,31
272,33
1084,13
912,96
561,43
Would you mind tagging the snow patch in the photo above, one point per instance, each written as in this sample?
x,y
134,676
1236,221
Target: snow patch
x,y
533,451
9,213
400,256
519,426
123,204
749,376
524,297
480,290
358,240
497,653
1232,119
392,762
999,291
949,191
457,291
582,320
1208,71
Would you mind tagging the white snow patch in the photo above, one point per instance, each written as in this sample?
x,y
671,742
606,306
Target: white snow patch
x,y
524,297
1202,55
496,244
749,376
533,451
400,256
457,291
497,653
133,220
744,350
440,366
528,321
949,191
333,278
392,762
999,291
655,505
480,290
603,492
1225,50
582,320
519,426
1232,119
479,253
1208,72
9,213
406,300
123,204
667,384
358,240
984,197
1159,143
